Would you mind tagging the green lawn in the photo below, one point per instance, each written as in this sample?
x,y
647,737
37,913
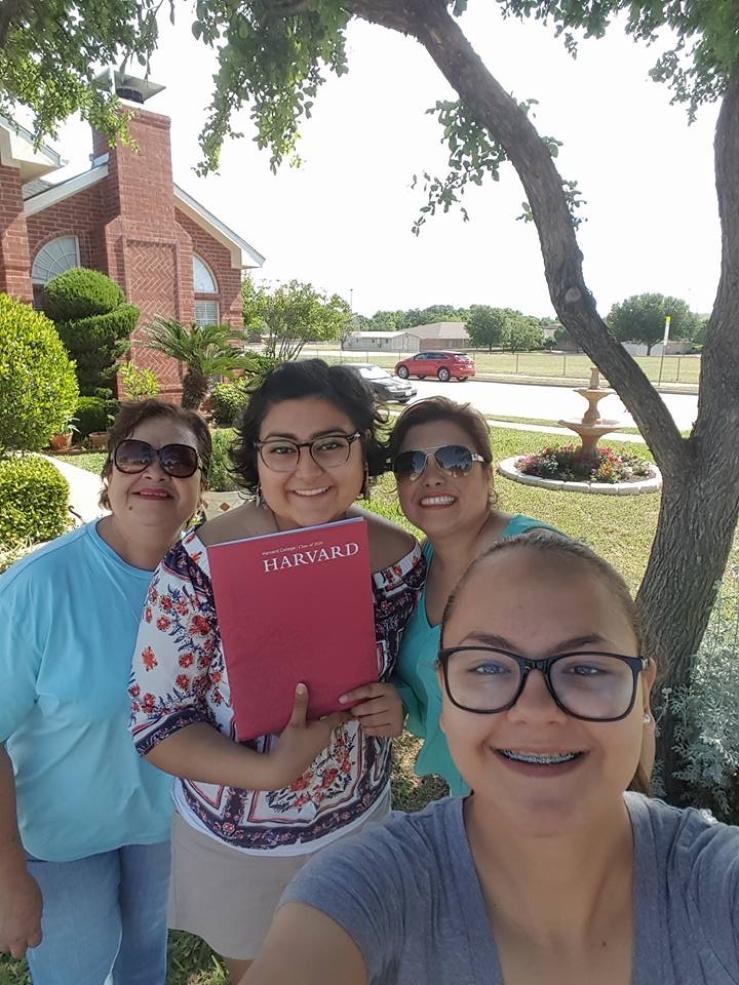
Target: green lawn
x,y
684,370
619,528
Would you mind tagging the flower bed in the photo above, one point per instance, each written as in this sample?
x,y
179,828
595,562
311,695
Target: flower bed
x,y
571,464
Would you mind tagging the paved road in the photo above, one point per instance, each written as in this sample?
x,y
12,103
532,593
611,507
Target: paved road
x,y
548,402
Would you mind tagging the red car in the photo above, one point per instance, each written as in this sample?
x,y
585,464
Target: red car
x,y
442,365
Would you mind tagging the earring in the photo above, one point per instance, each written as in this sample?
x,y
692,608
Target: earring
x,y
366,484
647,720
258,497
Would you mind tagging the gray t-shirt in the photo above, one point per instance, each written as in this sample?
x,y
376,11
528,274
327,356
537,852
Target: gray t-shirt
x,y
407,892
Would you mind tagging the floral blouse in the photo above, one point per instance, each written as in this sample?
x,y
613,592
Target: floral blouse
x,y
179,677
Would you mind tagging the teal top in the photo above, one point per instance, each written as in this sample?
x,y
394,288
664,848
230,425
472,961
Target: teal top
x,y
418,684
69,614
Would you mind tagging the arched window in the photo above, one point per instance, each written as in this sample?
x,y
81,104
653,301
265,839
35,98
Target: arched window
x,y
54,258
202,275
206,310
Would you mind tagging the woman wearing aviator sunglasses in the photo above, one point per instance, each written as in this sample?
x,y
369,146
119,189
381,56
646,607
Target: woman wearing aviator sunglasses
x,y
441,456
249,815
84,853
550,872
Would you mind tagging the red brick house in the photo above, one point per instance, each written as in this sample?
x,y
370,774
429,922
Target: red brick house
x,y
126,217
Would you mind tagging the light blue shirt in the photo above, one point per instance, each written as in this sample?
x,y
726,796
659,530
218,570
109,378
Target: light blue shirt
x,y
418,684
69,614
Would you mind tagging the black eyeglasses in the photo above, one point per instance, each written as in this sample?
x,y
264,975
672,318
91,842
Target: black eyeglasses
x,y
329,451
133,456
595,686
456,460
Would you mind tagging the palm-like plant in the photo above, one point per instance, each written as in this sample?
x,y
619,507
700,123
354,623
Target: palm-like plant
x,y
204,350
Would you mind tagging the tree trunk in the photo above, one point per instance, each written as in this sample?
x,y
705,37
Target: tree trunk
x,y
649,348
194,389
700,500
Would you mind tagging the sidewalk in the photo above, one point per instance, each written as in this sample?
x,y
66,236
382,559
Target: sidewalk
x,y
84,489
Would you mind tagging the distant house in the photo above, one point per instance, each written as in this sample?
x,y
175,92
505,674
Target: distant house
x,y
125,217
437,335
376,342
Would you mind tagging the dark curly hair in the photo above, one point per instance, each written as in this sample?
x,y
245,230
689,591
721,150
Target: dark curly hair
x,y
134,413
339,385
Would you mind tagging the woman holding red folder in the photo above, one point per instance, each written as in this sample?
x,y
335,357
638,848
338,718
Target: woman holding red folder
x,y
249,815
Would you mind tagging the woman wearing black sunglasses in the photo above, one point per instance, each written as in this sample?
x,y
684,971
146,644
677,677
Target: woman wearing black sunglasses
x,y
550,872
441,456
84,856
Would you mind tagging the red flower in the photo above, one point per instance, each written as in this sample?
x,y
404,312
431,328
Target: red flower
x,y
163,622
328,777
301,783
166,602
134,690
153,594
181,607
149,702
182,682
217,697
147,614
199,626
186,660
196,556
148,658
215,677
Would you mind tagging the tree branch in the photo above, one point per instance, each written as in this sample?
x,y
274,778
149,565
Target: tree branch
x,y
432,24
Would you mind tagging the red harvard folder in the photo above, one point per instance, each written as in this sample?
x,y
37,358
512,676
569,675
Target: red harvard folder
x,y
294,606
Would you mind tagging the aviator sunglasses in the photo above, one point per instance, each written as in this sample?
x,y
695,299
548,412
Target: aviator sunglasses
x,y
455,460
133,456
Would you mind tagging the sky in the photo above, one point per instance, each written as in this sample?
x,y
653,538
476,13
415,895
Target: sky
x,y
343,220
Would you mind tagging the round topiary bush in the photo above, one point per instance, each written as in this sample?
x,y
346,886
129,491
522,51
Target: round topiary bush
x,y
95,345
227,401
81,293
33,500
38,389
94,322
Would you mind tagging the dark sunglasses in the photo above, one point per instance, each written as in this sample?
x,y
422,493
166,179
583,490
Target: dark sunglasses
x,y
132,456
456,460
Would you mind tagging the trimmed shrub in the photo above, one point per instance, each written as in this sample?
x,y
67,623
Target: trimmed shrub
x,y
138,382
33,501
705,711
93,414
95,343
38,389
81,293
227,401
220,477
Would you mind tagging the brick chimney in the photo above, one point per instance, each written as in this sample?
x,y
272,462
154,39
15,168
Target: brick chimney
x,y
148,252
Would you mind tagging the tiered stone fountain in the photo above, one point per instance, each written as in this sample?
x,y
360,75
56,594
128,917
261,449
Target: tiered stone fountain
x,y
592,427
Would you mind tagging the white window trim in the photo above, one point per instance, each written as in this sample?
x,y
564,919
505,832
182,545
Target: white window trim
x,y
209,271
36,280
